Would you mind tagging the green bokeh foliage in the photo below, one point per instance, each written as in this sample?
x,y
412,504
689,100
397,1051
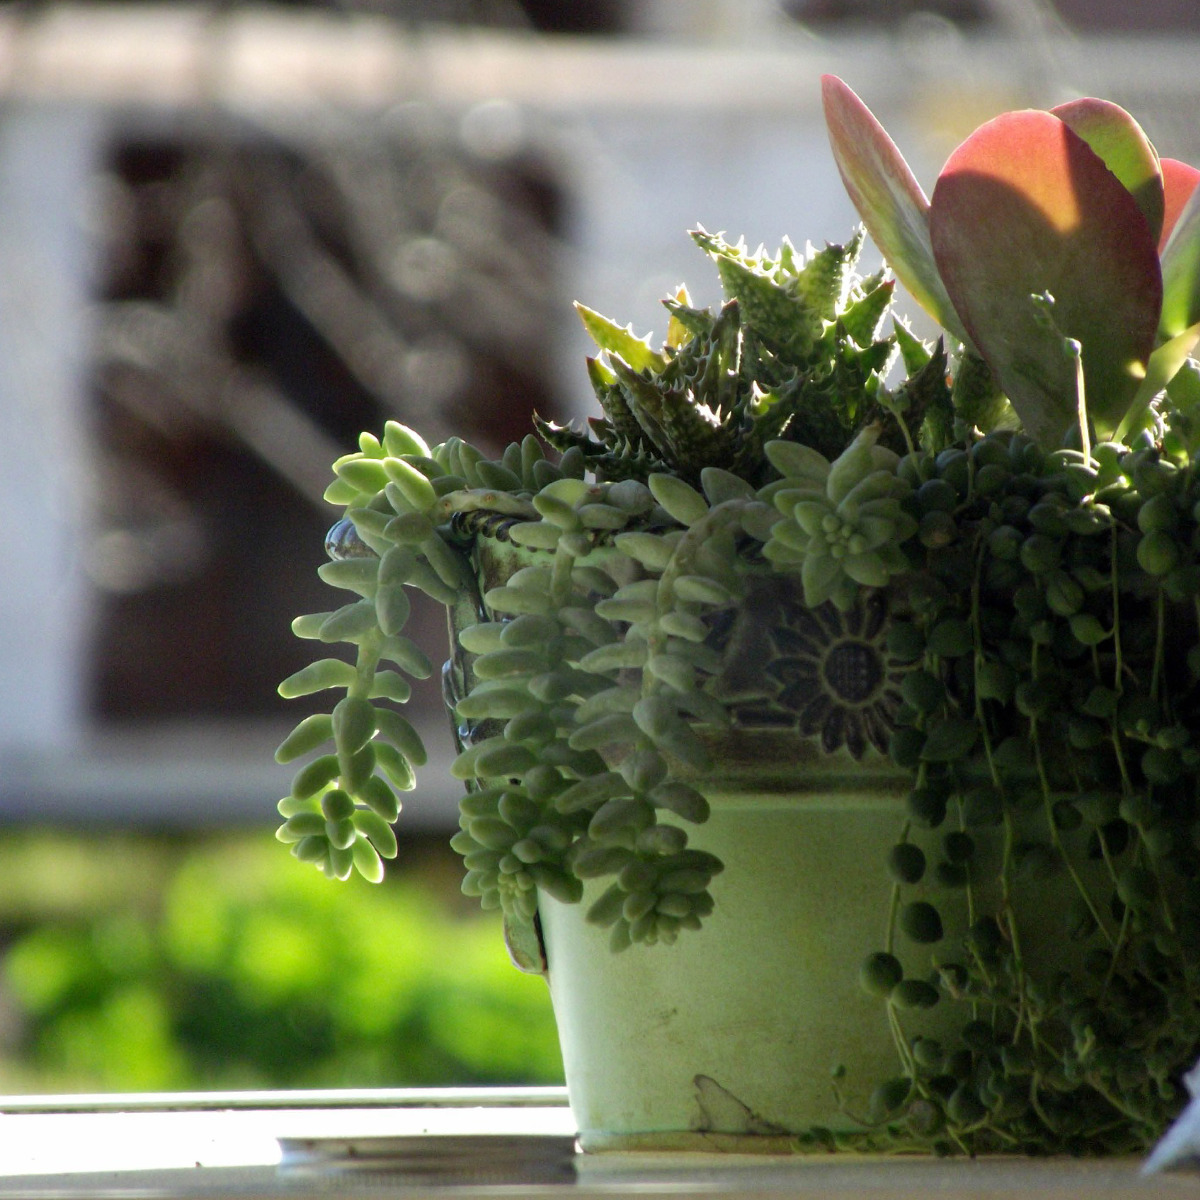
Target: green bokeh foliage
x,y
139,963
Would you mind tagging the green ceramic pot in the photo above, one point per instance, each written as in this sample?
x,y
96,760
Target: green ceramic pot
x,y
728,1039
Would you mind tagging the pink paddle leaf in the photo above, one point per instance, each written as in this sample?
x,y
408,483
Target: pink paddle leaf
x,y
1024,207
1179,182
888,198
1125,149
1180,249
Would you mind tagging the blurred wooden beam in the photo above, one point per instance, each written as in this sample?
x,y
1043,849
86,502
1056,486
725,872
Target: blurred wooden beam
x,y
188,56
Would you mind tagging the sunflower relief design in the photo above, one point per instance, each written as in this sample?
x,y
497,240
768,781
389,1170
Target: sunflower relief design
x,y
824,672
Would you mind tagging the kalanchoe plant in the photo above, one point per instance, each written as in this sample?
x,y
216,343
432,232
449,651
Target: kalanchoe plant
x,y
988,573
1073,204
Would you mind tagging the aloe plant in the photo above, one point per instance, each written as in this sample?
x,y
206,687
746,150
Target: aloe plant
x,y
1057,246
796,351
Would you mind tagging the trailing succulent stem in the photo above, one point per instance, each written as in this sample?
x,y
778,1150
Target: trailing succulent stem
x,y
1049,723
1041,612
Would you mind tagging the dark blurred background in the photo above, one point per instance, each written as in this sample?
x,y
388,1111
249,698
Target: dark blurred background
x,y
231,237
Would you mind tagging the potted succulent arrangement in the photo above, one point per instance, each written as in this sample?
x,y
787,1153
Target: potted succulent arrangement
x,y
828,706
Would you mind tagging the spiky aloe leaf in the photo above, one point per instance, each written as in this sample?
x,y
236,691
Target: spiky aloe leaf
x,y
782,320
1181,263
640,397
682,432
852,388
865,363
767,296
788,299
821,280
1025,207
624,462
563,437
599,375
1125,150
623,420
923,400
863,315
610,458
913,351
617,339
888,198
698,322
619,424
718,385
976,398
679,330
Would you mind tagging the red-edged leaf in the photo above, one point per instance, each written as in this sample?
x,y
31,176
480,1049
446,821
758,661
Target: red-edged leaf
x,y
1181,271
1126,150
1180,248
888,198
1023,207
1179,182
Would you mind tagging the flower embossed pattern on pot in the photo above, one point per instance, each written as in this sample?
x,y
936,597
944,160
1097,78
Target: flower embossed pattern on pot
x,y
825,673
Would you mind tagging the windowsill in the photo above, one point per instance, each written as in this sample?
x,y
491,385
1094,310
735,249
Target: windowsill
x,y
227,1144
86,1134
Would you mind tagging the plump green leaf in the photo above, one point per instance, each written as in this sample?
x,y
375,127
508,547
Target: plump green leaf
x,y
324,673
371,825
683,503
354,723
307,736
366,860
949,739
414,486
400,439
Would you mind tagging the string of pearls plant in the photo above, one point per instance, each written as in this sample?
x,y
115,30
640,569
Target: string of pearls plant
x,y
1043,614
